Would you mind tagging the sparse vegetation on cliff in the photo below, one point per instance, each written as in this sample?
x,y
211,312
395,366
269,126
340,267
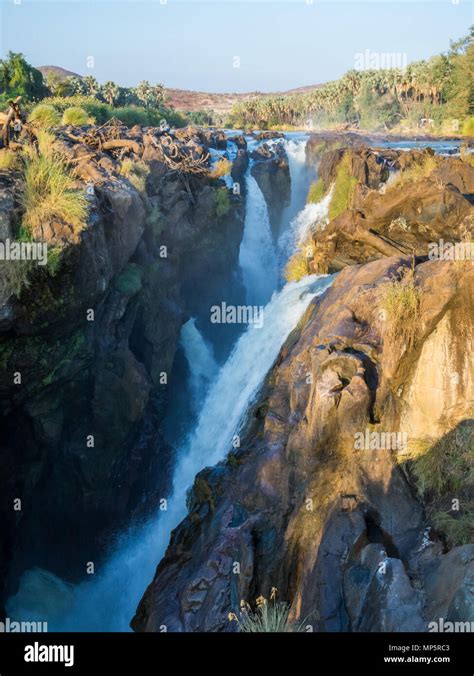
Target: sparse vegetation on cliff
x,y
130,280
443,473
269,616
458,527
136,172
316,191
221,202
400,302
299,265
442,466
221,168
344,187
415,172
15,276
49,188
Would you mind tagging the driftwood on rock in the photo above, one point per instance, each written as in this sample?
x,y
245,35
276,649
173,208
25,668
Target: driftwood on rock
x,y
116,144
176,155
7,120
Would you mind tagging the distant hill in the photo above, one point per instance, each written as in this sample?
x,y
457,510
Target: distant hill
x,y
188,100
62,73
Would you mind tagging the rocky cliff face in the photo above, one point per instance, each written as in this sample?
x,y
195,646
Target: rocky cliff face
x,y
95,343
300,508
358,530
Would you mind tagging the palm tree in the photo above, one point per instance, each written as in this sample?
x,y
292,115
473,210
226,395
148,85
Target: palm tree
x,y
91,85
110,91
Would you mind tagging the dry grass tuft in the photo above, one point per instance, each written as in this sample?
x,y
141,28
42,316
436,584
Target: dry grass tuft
x,y
49,190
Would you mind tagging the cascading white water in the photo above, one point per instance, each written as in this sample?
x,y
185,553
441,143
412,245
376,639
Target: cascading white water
x,y
257,256
108,602
202,365
296,152
314,216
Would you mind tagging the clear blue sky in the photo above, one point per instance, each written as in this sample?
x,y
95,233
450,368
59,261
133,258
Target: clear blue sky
x,y
191,44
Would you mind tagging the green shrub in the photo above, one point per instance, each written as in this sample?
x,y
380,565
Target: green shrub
x,y
53,264
15,276
76,116
222,203
132,115
44,115
155,220
468,127
344,187
444,465
130,280
316,191
268,617
458,528
101,112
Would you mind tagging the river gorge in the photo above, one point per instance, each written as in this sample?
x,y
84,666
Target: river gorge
x,y
172,464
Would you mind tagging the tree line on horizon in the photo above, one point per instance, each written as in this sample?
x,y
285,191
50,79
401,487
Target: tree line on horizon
x,y
439,91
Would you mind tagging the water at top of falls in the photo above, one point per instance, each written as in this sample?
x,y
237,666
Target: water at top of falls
x,y
257,257
296,152
202,365
108,602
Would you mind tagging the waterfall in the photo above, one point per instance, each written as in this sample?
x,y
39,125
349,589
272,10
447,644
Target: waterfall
x,y
201,362
257,257
314,216
108,601
300,179
296,152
